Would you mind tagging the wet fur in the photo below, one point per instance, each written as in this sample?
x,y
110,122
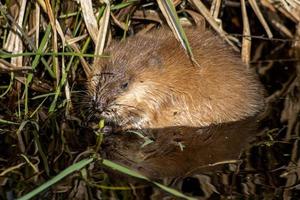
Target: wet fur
x,y
165,89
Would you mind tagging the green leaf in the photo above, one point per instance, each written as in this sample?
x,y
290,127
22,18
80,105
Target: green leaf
x,y
169,12
3,121
61,175
122,5
133,173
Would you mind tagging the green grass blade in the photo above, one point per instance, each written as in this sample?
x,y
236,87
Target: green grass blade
x,y
34,65
9,86
108,163
123,169
122,5
169,12
41,151
3,121
43,95
60,85
39,106
133,173
61,175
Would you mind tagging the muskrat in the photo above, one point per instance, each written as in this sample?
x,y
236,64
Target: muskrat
x,y
148,82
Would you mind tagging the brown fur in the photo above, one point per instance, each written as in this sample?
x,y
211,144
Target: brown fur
x,y
149,82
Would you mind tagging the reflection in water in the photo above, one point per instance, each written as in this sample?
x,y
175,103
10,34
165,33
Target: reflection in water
x,y
179,151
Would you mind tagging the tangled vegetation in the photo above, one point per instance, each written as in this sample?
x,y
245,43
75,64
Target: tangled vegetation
x,y
47,49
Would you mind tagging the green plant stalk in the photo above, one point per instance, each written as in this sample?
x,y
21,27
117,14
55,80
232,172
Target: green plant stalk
x,y
88,40
27,12
69,170
130,172
9,86
127,26
175,23
107,163
65,73
78,22
43,95
3,121
19,106
84,48
60,85
34,65
42,153
39,106
99,135
123,5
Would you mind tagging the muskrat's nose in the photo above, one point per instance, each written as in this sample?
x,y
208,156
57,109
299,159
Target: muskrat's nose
x,y
100,104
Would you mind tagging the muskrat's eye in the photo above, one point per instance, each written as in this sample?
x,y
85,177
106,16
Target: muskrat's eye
x,y
124,86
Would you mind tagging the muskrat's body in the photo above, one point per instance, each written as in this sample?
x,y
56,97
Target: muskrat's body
x,y
149,82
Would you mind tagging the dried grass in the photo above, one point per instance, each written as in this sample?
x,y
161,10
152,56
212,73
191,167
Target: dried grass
x,y
47,48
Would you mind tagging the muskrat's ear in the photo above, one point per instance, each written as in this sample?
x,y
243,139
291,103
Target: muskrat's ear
x,y
155,60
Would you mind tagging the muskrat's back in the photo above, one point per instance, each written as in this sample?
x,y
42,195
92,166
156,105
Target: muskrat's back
x,y
149,82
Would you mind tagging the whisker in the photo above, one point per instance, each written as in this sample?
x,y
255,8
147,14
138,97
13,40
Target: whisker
x,y
80,91
105,73
90,115
81,102
129,106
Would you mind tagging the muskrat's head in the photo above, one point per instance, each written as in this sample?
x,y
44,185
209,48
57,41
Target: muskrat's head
x,y
120,84
105,89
